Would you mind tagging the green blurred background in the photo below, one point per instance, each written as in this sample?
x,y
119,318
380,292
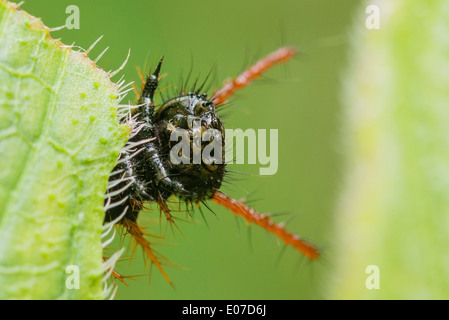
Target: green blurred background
x,y
300,99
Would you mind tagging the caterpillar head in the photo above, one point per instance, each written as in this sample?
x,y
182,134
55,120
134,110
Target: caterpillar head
x,y
192,135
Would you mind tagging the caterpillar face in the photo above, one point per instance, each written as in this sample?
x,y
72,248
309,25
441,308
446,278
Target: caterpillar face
x,y
189,130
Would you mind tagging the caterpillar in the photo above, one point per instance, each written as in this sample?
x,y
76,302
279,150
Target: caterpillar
x,y
145,173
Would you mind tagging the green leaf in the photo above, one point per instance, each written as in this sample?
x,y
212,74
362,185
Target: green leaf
x,y
394,211
59,140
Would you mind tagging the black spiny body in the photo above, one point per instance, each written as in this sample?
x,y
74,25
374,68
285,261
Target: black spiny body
x,y
145,170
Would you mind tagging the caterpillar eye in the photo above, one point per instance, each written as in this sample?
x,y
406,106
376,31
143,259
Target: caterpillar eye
x,y
200,108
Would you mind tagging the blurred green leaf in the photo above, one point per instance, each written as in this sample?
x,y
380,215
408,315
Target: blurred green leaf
x,y
394,211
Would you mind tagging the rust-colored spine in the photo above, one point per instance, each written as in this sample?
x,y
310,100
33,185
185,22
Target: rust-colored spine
x,y
263,220
244,79
139,237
